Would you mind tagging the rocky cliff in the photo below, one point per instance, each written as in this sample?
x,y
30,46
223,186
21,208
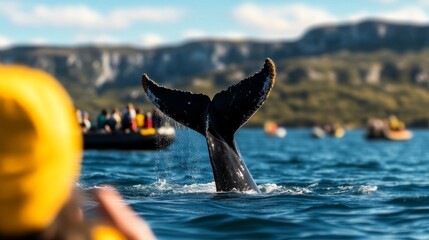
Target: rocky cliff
x,y
114,72
123,66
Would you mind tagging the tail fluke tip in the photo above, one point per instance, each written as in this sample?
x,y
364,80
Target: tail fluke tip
x,y
145,80
270,68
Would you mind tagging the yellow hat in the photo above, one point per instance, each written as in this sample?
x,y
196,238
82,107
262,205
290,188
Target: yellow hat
x,y
40,149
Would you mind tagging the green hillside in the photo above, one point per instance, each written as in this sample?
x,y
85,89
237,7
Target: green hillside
x,y
346,88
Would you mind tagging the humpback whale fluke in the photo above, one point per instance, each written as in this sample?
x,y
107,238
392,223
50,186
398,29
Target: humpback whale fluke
x,y
218,120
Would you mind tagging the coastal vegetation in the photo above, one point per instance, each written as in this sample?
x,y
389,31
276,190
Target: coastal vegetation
x,y
346,88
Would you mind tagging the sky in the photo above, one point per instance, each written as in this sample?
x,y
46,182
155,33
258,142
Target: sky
x,y
157,23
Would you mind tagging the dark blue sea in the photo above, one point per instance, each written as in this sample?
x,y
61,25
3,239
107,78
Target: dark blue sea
x,y
348,188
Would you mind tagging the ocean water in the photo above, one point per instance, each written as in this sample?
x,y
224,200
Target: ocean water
x,y
348,188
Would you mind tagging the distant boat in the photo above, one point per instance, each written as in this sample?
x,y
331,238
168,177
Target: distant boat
x,y
333,131
318,132
145,139
273,130
390,129
399,135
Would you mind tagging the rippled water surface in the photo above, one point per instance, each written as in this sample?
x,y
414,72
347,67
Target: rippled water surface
x,y
311,188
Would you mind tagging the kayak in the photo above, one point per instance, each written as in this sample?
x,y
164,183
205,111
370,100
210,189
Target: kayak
x,y
146,139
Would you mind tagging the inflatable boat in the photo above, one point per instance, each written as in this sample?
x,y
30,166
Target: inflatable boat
x,y
402,135
145,139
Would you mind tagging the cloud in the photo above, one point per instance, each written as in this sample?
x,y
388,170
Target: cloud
x,y
5,42
39,41
290,21
101,39
199,34
148,40
282,20
194,34
405,14
81,16
151,40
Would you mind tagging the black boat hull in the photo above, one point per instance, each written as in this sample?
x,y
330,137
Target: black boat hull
x,y
131,141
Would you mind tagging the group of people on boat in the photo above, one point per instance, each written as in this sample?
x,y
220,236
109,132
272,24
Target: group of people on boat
x,y
379,128
130,119
335,130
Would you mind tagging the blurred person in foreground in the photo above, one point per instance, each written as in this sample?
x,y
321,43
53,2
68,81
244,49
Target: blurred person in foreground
x,y
40,157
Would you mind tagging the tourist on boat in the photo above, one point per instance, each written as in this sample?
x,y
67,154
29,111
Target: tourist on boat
x,y
78,115
394,123
328,129
86,124
102,121
129,118
114,120
148,120
140,118
40,165
376,128
337,131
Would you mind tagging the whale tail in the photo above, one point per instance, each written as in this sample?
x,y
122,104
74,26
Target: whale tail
x,y
228,110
